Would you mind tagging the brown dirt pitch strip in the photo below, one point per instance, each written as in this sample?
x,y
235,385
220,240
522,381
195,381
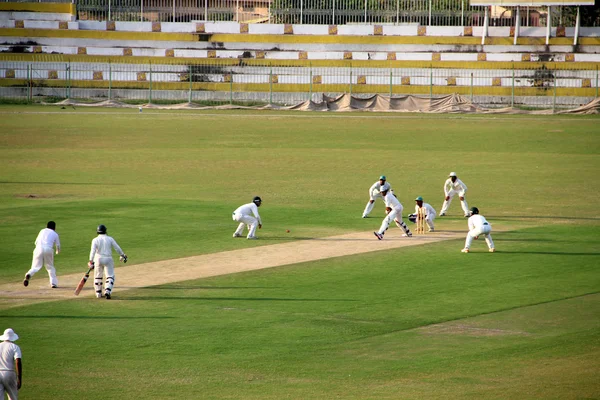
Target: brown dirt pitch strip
x,y
207,265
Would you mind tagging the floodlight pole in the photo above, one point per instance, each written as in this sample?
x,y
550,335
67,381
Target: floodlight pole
x,y
109,81
554,97
512,96
350,79
150,87
29,82
429,24
517,24
190,91
577,23
485,25
69,81
141,10
391,83
310,83
548,25
471,87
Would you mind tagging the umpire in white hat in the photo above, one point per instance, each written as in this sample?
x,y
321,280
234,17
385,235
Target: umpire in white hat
x,y
10,365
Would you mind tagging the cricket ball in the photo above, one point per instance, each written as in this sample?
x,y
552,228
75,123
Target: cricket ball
x,y
287,231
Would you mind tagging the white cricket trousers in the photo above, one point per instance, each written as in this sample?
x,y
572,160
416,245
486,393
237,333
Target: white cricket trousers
x,y
463,203
396,216
245,220
104,266
8,384
480,230
44,256
369,206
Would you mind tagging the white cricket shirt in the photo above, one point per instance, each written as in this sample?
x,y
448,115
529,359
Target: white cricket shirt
x,y
248,209
392,201
103,245
9,352
428,209
457,186
477,221
47,238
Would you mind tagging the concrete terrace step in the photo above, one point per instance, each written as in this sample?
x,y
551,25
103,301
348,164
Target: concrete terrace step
x,y
7,58
301,55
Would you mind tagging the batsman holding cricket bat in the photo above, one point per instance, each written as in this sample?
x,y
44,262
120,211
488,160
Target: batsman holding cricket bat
x,y
101,261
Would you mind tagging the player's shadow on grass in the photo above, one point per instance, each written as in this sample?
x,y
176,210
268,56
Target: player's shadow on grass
x,y
82,317
177,287
552,253
154,298
59,183
501,217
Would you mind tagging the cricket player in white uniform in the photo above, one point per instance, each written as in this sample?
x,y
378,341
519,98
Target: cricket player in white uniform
x,y
375,193
46,243
394,214
102,261
452,187
478,225
247,215
429,212
11,368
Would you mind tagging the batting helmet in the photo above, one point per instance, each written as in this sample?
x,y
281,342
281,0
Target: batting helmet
x,y
101,229
51,225
474,210
257,200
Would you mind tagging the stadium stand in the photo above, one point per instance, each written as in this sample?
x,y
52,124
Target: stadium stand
x,y
45,52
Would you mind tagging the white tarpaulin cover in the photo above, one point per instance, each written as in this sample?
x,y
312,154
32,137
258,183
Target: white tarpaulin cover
x,y
452,103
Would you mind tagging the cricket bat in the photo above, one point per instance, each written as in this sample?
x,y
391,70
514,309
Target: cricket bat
x,y
82,282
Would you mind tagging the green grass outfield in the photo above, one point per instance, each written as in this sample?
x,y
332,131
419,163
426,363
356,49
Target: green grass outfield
x,y
425,322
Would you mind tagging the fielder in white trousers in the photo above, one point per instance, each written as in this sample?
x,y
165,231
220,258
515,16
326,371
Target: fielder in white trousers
x,y
11,370
375,193
46,244
247,215
478,225
452,187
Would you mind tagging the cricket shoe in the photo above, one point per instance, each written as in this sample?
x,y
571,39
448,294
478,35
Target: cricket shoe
x,y
26,280
431,230
54,286
464,251
98,295
442,215
378,235
492,250
107,295
237,235
252,237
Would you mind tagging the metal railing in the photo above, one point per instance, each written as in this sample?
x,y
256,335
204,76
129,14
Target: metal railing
x,y
327,12
539,85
